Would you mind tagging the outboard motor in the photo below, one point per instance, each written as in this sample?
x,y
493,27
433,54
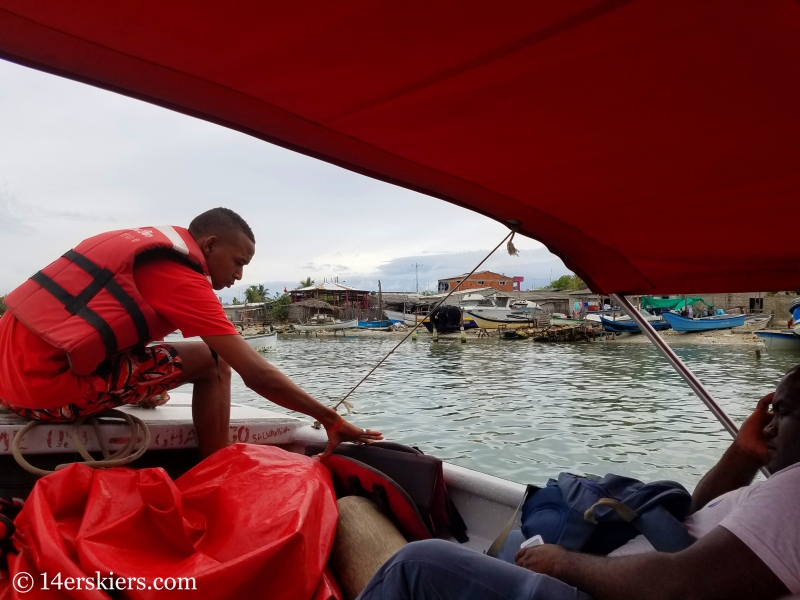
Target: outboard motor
x,y
446,318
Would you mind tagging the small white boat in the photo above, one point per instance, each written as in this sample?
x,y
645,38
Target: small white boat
x,y
395,316
779,340
326,325
263,342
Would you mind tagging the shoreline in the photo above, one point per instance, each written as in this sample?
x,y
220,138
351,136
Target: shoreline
x,y
726,337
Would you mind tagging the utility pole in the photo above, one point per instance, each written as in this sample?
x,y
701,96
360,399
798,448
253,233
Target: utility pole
x,y
380,302
416,274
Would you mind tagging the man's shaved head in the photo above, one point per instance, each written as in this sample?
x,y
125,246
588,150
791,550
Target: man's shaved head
x,y
227,243
783,432
220,222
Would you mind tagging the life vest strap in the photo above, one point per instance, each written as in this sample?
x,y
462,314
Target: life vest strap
x,y
82,311
112,287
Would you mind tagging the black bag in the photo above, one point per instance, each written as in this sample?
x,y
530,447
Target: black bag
x,y
419,475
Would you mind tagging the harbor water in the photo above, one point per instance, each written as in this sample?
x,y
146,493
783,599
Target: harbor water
x,y
525,411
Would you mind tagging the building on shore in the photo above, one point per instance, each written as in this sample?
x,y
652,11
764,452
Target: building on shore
x,y
335,294
248,314
481,279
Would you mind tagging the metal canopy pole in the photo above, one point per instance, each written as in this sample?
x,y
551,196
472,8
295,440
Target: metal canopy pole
x,y
677,364
684,371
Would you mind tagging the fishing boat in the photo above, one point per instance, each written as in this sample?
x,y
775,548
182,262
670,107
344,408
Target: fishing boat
x,y
680,323
560,110
328,325
263,342
385,324
504,319
629,326
779,340
395,316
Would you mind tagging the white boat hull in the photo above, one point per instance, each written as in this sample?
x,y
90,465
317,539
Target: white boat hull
x,y
779,340
491,322
263,342
397,316
327,326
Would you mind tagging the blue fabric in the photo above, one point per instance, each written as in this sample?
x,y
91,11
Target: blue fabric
x,y
439,570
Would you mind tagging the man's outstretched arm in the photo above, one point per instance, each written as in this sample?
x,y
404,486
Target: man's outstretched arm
x,y
269,382
741,461
718,566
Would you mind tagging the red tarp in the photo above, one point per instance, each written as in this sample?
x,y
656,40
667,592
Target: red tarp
x,y
654,146
249,522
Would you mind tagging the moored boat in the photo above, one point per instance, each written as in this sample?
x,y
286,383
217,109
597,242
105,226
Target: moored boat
x,y
384,324
263,341
779,340
680,323
629,326
326,325
395,316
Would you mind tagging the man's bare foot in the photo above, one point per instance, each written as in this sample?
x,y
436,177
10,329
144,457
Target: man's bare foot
x,y
154,401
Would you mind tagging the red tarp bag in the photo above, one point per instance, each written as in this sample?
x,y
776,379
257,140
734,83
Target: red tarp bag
x,y
248,522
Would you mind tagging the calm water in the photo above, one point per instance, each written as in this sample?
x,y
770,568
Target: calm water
x,y
526,411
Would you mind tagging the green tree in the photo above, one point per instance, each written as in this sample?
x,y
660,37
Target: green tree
x,y
235,300
280,307
307,283
256,293
568,283
2,305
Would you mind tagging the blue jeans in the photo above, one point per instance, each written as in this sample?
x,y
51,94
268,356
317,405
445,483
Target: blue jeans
x,y
439,570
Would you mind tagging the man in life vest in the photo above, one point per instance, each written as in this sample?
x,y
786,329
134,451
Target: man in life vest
x,y
76,339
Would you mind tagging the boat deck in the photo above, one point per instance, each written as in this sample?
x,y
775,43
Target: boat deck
x,y
170,427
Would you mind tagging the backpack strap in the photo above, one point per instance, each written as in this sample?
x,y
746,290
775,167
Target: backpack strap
x,y
657,525
498,542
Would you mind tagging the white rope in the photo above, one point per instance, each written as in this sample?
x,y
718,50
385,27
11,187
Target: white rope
x,y
511,250
121,457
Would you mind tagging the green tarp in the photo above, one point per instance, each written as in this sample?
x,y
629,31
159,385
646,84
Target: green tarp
x,y
670,303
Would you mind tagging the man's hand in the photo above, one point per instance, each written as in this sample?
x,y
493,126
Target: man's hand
x,y
347,432
751,435
544,559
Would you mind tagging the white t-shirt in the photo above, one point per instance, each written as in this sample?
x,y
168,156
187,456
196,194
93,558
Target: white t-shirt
x,y
765,516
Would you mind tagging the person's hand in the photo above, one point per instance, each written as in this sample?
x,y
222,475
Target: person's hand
x,y
751,435
346,432
542,559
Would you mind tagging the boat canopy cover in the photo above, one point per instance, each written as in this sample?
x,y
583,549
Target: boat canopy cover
x,y
670,303
636,139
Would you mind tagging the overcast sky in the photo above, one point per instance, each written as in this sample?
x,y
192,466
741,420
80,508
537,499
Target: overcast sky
x,y
75,161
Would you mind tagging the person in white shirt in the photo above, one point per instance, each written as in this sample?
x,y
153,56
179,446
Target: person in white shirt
x,y
748,538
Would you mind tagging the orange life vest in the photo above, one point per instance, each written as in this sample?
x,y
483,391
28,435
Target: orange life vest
x,y
86,302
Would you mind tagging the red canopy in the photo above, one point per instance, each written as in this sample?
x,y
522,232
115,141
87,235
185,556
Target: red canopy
x,y
652,145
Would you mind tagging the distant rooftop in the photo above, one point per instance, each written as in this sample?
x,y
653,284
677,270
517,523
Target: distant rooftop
x,y
328,287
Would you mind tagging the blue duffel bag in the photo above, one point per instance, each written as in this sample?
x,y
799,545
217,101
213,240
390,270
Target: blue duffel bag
x,y
597,515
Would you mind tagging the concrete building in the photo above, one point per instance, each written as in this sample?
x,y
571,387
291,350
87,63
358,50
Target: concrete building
x,y
481,279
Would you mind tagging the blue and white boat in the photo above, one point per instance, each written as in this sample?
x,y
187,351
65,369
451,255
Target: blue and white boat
x,y
680,323
779,340
629,326
385,324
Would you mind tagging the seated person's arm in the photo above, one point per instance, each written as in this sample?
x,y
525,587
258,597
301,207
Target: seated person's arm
x,y
269,382
719,565
741,461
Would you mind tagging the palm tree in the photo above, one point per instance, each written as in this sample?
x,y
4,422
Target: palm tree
x,y
307,283
255,293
